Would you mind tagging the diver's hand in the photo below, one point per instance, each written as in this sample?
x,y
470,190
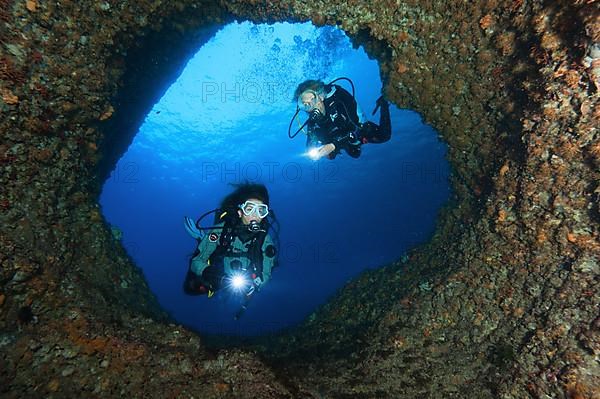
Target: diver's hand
x,y
317,153
325,150
257,282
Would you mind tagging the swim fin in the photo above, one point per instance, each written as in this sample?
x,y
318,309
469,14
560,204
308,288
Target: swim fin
x,y
380,102
191,228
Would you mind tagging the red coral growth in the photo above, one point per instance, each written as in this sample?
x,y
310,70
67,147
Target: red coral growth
x,y
486,21
402,37
594,149
516,5
5,8
540,56
505,42
572,79
9,73
401,68
567,149
36,57
497,72
550,41
43,90
6,159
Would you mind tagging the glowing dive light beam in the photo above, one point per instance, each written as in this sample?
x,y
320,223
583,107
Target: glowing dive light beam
x,y
313,154
238,282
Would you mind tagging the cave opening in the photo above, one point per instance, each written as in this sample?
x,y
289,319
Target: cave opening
x,y
224,121
501,301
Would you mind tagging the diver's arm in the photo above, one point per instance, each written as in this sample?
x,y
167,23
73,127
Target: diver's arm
x,y
316,149
362,118
205,248
342,142
311,138
269,258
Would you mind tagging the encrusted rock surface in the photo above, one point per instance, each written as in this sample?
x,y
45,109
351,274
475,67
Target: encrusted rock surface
x,y
503,302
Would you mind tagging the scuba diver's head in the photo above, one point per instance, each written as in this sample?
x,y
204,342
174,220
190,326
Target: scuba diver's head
x,y
250,202
309,96
252,212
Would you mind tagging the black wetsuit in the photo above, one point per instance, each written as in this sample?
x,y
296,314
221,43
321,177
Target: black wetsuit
x,y
341,126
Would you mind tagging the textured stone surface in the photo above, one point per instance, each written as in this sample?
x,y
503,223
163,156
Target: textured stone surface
x,y
503,302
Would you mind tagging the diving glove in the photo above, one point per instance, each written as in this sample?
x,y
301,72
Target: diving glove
x,y
257,282
191,228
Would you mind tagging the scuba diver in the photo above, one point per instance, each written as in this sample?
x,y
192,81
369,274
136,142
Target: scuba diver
x,y
238,252
335,121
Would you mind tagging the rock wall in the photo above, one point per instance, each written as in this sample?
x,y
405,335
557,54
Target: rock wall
x,y
503,302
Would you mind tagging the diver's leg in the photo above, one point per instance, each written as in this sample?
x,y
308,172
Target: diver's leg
x,y
212,277
372,133
385,123
353,151
193,284
369,132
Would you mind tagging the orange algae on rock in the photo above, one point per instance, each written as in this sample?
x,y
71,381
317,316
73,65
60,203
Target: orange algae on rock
x,y
401,68
31,5
486,21
8,97
504,169
107,114
53,385
221,387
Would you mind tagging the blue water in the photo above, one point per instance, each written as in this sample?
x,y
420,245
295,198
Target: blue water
x,y
225,121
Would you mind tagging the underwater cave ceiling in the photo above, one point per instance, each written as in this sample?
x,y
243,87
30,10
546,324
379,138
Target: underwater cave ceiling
x,y
502,302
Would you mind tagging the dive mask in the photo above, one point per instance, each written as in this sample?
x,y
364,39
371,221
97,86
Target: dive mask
x,y
250,207
308,100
